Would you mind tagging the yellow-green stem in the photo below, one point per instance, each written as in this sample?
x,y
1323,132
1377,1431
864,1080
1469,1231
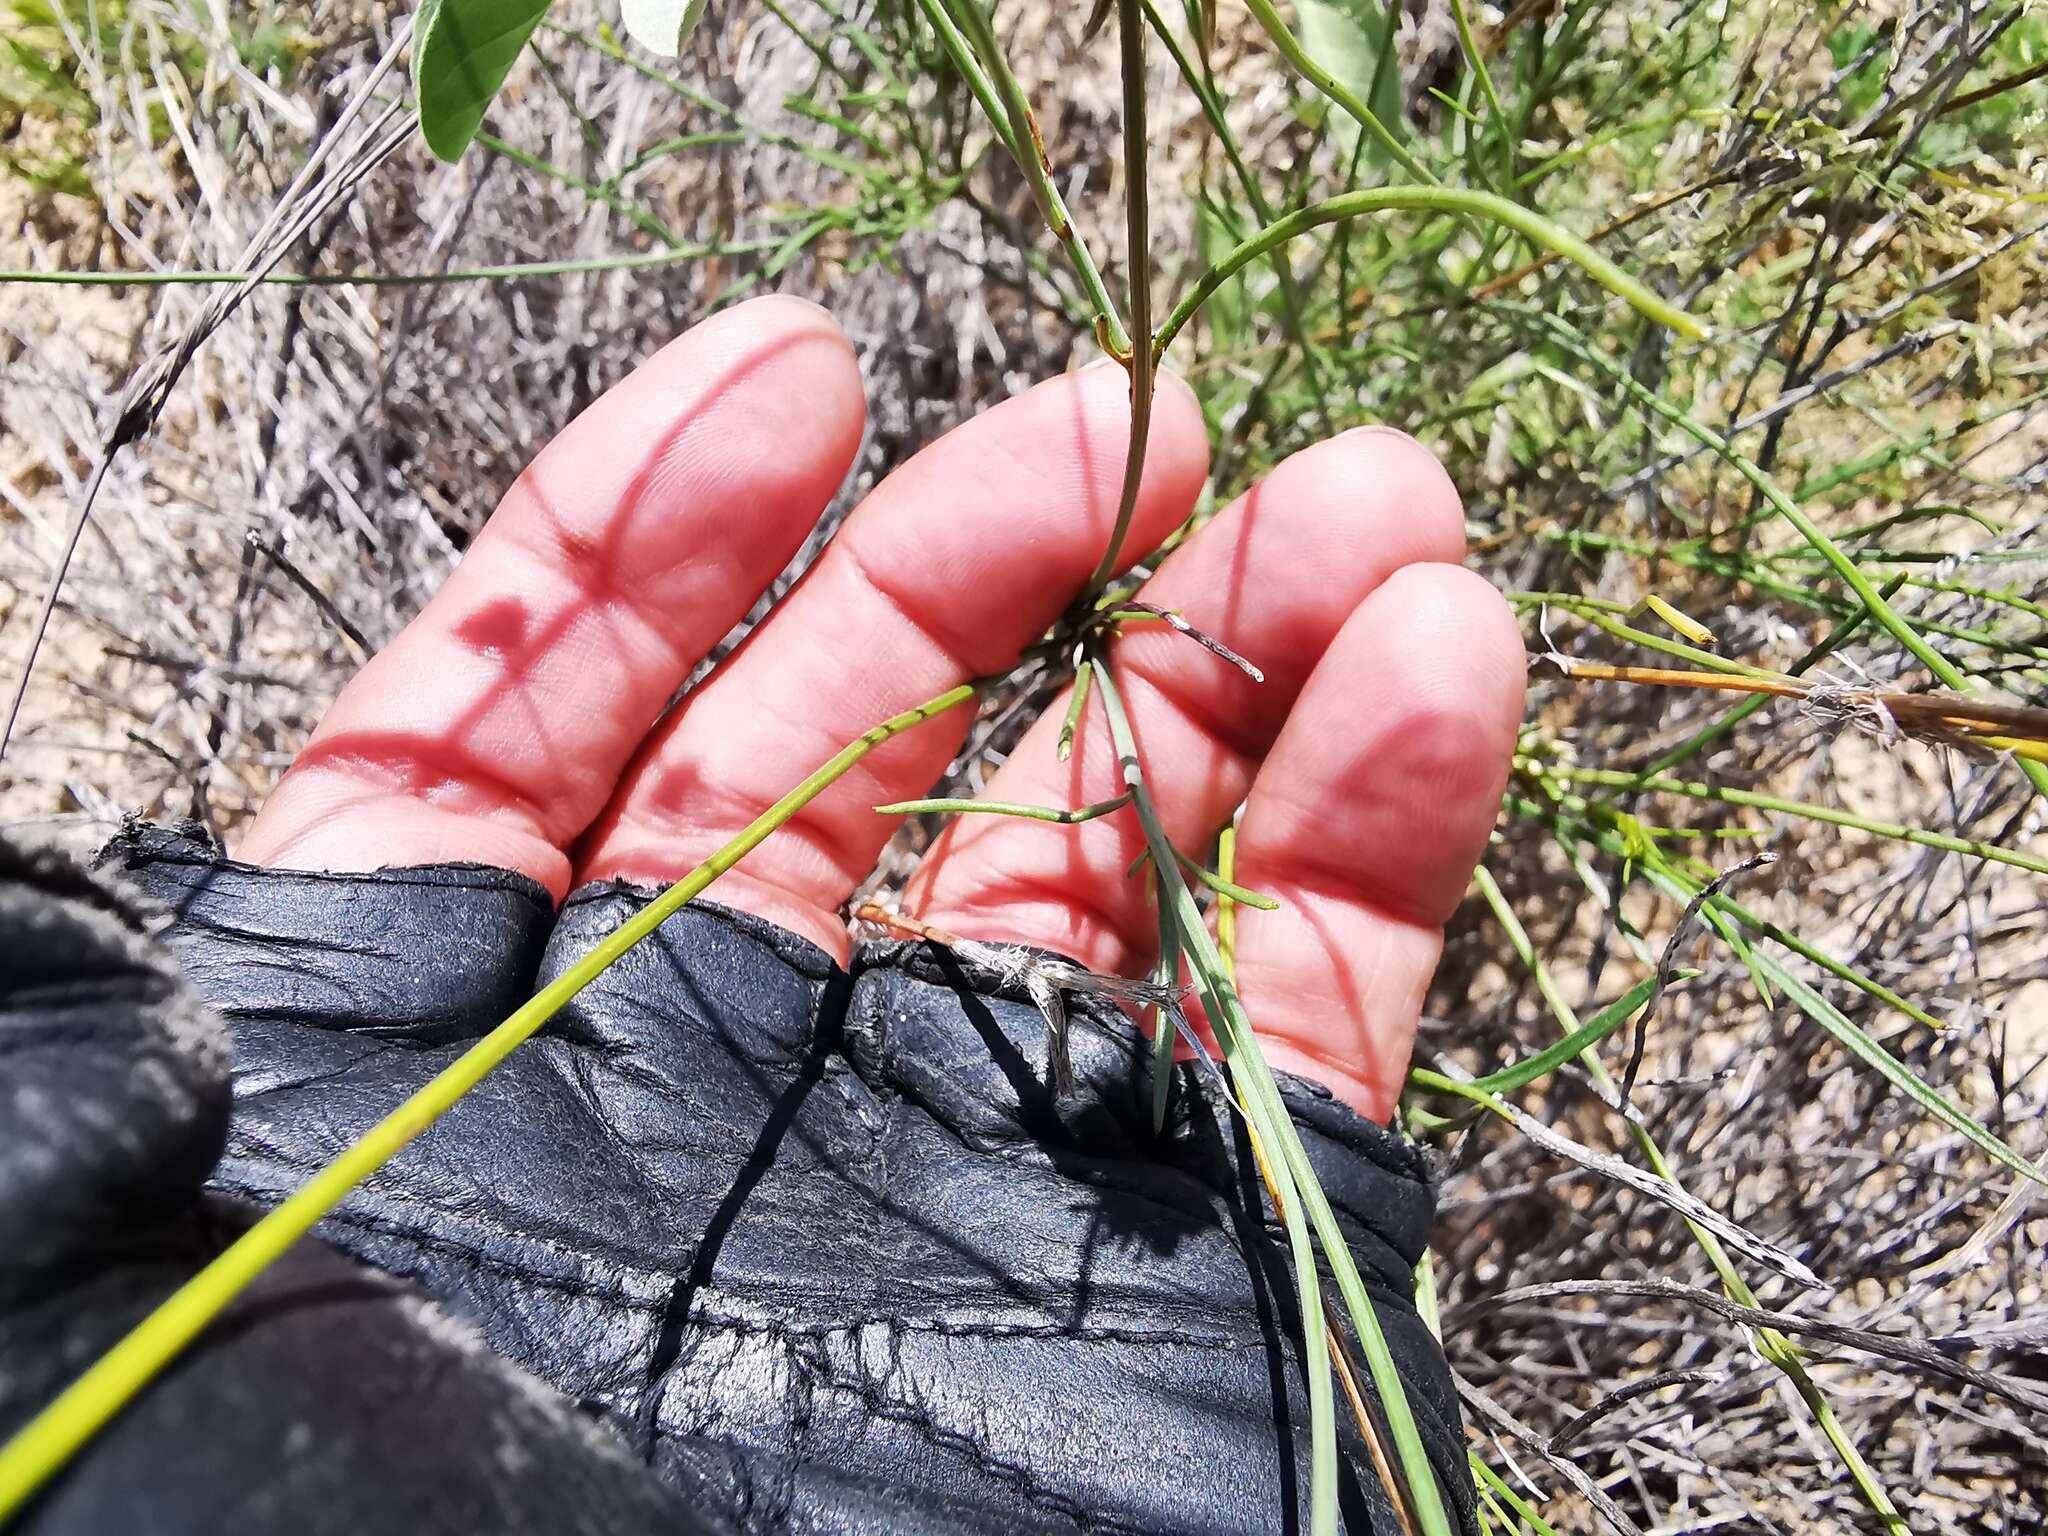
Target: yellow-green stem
x,y
1131,38
47,1441
1292,51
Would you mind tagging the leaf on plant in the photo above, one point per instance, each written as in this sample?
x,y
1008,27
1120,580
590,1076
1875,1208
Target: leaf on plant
x,y
1353,40
661,26
1894,1071
462,51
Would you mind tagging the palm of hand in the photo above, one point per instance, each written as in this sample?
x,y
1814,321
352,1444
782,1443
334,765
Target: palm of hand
x,y
519,720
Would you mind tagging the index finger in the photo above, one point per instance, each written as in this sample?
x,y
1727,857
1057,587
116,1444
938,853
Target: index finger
x,y
493,729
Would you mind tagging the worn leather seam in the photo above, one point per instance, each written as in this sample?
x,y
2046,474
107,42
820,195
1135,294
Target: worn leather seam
x,y
727,1323
1021,1478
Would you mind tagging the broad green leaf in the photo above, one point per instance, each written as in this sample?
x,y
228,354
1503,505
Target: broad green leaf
x,y
661,26
461,53
1353,40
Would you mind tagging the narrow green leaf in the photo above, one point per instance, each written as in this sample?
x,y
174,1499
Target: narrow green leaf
x,y
1294,1178
963,807
1891,1069
1430,199
1596,1029
462,51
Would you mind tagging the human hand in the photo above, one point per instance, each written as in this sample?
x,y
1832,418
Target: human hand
x,y
518,720
802,1228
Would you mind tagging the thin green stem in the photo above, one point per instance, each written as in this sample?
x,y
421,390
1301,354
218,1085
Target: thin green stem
x,y
1480,205
1497,116
1294,1178
1499,1489
1226,904
1224,886
966,21
1827,646
829,159
667,147
1648,783
1292,306
1291,50
1595,613
632,212
1577,1043
48,1440
1131,40
624,262
1077,705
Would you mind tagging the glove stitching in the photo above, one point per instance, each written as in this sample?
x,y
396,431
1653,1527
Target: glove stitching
x,y
1023,1479
1105,1177
804,1351
586,1290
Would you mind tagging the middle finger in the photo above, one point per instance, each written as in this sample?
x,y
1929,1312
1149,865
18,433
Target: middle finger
x,y
946,572
1274,577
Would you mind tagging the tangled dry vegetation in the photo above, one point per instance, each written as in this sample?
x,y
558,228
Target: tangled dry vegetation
x,y
1849,193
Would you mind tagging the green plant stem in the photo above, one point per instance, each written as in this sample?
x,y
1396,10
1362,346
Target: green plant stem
x,y
1577,1043
1723,904
1496,1486
1131,41
1715,730
1596,612
1077,705
963,23
1480,205
48,1440
1291,50
1294,1178
625,262
1772,1345
1212,109
1844,567
1656,785
1226,904
829,159
1497,116
1220,882
1292,305
667,147
625,208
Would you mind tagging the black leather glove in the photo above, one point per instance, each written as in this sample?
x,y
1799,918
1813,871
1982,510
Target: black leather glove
x,y
791,1247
